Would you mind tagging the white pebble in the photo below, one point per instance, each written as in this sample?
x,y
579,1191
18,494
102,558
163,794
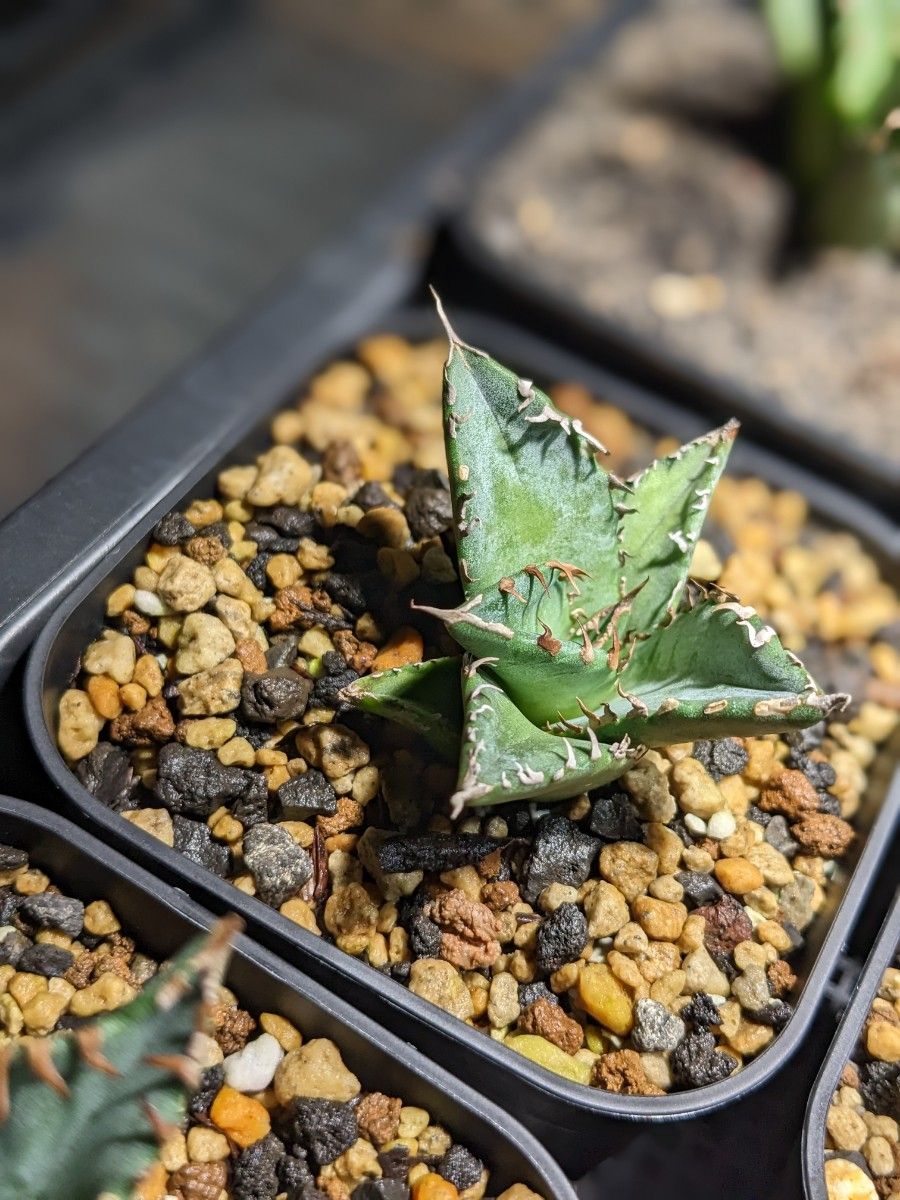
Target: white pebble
x,y
721,825
149,604
253,1068
695,825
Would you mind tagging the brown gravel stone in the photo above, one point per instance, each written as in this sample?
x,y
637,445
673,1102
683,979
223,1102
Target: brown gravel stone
x,y
358,655
822,833
850,1075
549,1021
198,1180
378,1117
349,814
726,925
298,607
501,895
250,655
153,724
622,1071
206,550
232,1027
781,978
792,794
469,930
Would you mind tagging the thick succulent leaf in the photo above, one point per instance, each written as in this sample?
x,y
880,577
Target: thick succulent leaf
x,y
505,757
423,696
656,540
98,1139
868,47
716,671
524,477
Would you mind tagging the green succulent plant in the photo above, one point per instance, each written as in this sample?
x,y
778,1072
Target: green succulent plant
x,y
583,640
82,1113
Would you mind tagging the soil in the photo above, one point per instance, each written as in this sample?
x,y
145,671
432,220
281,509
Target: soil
x,y
647,194
317,554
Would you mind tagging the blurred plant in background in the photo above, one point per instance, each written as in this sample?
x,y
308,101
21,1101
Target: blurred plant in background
x,y
842,61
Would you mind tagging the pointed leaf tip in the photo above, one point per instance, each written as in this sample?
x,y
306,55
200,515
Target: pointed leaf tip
x,y
452,336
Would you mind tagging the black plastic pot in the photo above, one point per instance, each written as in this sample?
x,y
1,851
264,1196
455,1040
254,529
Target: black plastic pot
x,y
841,1050
163,918
580,1125
503,285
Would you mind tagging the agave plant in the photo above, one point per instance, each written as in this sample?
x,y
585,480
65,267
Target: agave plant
x,y
82,1113
583,640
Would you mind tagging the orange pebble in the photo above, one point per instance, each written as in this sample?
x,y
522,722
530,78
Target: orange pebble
x,y
434,1187
404,647
242,1118
152,1185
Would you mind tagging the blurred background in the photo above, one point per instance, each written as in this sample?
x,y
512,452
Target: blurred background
x,y
165,160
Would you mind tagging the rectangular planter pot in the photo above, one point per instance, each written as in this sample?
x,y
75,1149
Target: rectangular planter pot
x,y
162,918
840,1051
503,285
581,1125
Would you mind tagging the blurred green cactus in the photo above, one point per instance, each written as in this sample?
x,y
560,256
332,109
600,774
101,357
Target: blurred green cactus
x,y
82,1113
842,62
583,642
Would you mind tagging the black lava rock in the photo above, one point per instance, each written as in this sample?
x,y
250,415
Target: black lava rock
x,y
776,1013
108,775
282,651
695,1061
278,865
322,1128
372,495
294,1175
429,511
829,804
306,796
529,992
278,695
173,529
252,806
460,1167
879,1086
9,905
699,888
13,946
327,688
702,1011
51,911
255,1171
561,937
435,852
394,1163
423,933
255,570
724,756
560,853
194,840
381,1189
348,591
290,522
47,960
270,540
614,820
193,783
779,835
211,1081
11,858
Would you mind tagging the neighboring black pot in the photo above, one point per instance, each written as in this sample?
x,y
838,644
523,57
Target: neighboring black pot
x,y
841,1050
503,286
162,918
581,1125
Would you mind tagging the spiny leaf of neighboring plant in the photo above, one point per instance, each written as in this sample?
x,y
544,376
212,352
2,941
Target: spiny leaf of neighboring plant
x,y
525,482
423,696
505,757
98,1137
716,671
670,500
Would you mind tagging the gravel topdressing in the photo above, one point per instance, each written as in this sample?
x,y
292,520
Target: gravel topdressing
x,y
638,939
276,1115
862,1151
